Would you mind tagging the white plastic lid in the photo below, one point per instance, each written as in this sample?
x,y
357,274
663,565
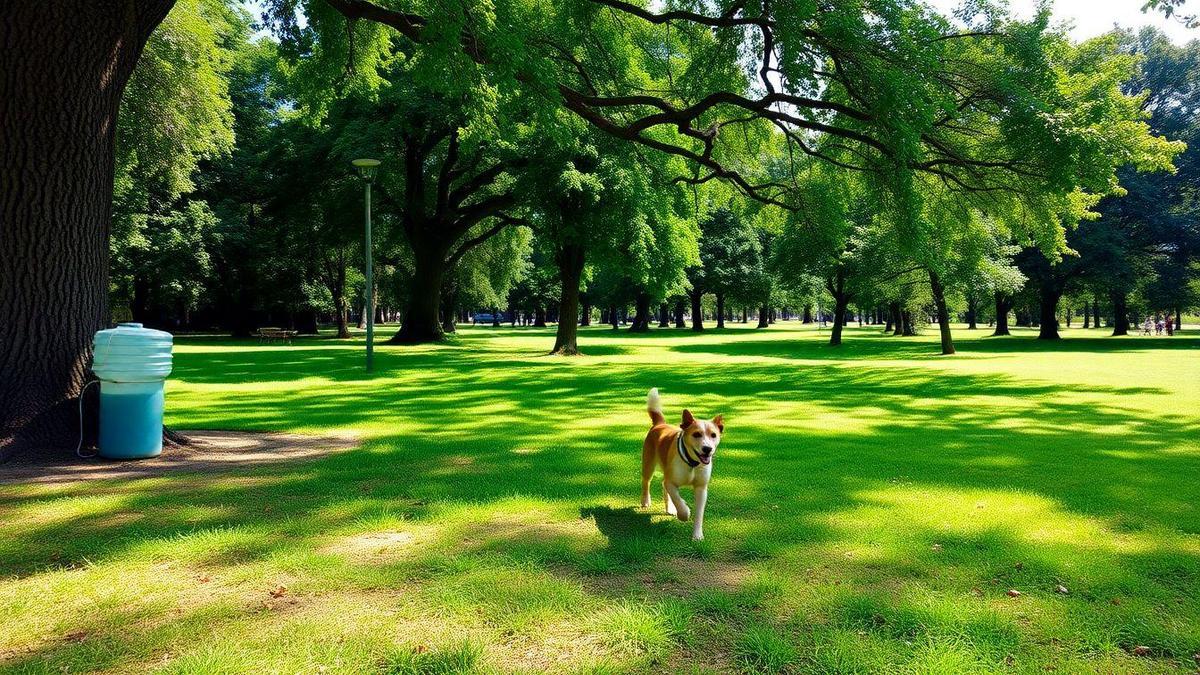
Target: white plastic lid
x,y
131,353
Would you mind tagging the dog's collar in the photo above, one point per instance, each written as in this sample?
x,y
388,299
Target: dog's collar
x,y
683,453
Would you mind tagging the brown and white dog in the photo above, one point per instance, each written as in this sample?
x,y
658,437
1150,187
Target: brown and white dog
x,y
685,454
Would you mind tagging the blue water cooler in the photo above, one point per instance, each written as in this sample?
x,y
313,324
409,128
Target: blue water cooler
x,y
132,363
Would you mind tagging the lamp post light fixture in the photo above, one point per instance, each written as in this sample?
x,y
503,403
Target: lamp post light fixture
x,y
366,170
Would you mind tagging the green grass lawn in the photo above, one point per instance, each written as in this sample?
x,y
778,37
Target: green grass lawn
x,y
871,508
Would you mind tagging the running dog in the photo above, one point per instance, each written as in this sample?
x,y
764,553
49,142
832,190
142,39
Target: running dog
x,y
685,454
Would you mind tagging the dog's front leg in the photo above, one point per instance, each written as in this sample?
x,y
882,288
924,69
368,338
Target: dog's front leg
x,y
701,499
674,499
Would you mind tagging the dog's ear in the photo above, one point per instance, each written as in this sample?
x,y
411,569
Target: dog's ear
x,y
719,420
687,419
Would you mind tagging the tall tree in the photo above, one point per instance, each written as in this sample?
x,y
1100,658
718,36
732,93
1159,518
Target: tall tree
x,y
450,180
598,203
68,65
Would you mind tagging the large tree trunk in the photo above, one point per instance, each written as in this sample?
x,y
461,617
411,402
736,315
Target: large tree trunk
x,y
808,317
839,319
641,317
664,316
680,309
720,310
420,323
1050,293
763,313
1178,319
697,311
1003,304
1087,314
841,300
1096,312
341,308
570,261
943,315
1120,313
64,69
342,316
972,311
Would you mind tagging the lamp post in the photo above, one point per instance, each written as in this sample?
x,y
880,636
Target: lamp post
x,y
366,170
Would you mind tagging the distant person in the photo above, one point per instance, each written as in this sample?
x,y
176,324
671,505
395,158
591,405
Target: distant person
x,y
1158,327
1170,328
1148,327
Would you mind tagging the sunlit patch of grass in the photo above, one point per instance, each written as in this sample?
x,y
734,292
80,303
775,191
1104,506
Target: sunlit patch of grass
x,y
763,649
872,508
639,629
458,660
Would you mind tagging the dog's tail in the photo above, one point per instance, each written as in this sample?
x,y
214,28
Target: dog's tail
x,y
654,407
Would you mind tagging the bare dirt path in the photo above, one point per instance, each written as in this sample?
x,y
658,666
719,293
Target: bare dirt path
x,y
208,451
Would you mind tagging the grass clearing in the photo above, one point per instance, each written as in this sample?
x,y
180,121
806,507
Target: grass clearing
x,y
871,508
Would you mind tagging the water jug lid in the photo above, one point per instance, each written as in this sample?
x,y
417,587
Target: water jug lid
x,y
129,324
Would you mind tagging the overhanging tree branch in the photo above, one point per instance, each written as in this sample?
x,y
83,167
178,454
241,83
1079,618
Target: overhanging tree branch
x,y
841,110
467,245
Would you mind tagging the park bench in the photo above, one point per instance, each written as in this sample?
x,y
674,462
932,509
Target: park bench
x,y
273,334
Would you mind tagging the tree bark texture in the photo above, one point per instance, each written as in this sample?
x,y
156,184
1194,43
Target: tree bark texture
x,y
570,261
64,69
1120,313
841,301
1003,305
641,315
1050,293
420,323
943,315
